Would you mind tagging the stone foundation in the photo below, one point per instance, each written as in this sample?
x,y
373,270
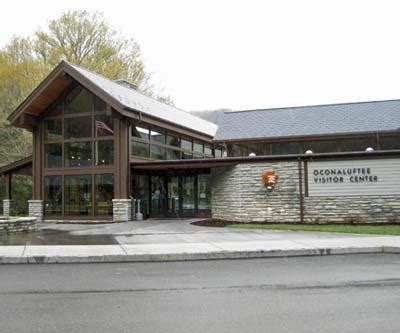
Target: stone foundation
x,y
238,194
36,209
122,210
7,207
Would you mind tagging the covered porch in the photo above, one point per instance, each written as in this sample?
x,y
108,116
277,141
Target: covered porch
x,y
174,189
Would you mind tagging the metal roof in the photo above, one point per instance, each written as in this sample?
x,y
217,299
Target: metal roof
x,y
310,120
134,100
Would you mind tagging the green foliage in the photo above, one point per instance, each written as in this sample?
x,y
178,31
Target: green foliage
x,y
79,37
21,193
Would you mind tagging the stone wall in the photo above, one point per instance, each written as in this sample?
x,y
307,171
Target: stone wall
x,y
122,210
238,194
17,224
36,209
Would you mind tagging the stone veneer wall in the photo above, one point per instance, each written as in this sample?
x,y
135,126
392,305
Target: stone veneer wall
x,y
17,224
239,195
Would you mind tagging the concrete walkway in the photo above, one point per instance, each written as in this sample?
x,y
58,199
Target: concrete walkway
x,y
171,240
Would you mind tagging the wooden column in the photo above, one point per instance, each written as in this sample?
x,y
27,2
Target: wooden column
x,y
121,158
8,184
37,164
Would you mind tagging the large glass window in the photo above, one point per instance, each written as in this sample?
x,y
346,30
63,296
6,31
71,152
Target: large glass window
x,y
157,136
53,129
173,154
173,140
140,132
157,152
140,149
104,126
79,100
53,195
78,154
79,127
198,147
104,152
186,144
99,105
204,192
188,193
208,150
390,142
53,155
104,194
78,195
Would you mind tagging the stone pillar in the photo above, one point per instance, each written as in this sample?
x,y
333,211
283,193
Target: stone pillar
x,y
122,209
36,209
7,207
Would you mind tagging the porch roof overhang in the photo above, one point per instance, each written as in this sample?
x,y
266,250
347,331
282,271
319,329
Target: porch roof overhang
x,y
229,161
22,166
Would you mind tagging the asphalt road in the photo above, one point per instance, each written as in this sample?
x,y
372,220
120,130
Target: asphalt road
x,y
359,293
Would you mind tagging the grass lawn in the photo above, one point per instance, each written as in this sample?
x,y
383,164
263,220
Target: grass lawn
x,y
355,229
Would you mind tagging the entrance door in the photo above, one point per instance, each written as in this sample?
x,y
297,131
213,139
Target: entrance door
x,y
173,195
158,196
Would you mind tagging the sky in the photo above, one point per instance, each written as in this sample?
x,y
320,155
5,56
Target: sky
x,y
211,54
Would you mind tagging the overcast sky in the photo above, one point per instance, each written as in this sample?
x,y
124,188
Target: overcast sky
x,y
248,54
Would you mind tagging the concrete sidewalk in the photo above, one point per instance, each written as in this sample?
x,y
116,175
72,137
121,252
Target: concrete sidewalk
x,y
172,240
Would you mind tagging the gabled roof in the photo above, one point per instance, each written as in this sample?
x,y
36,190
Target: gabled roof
x,y
121,98
310,120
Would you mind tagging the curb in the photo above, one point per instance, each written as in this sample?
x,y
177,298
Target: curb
x,y
218,255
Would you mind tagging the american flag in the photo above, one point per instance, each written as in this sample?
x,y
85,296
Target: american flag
x,y
102,125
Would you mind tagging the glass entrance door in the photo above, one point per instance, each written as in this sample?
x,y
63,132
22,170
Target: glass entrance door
x,y
173,195
158,196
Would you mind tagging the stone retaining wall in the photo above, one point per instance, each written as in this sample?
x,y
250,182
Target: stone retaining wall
x,y
238,194
17,224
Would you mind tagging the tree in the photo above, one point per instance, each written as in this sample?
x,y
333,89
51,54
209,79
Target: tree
x,y
79,37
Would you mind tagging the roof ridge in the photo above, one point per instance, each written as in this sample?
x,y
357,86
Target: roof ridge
x,y
313,106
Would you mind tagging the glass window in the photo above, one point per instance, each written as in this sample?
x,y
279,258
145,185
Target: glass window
x,y
99,105
173,140
198,147
157,152
390,142
186,144
197,156
204,192
78,195
53,195
208,150
104,185
187,156
104,152
54,110
218,152
79,100
173,154
140,132
53,155
140,149
188,193
104,126
53,130
78,154
80,127
157,136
